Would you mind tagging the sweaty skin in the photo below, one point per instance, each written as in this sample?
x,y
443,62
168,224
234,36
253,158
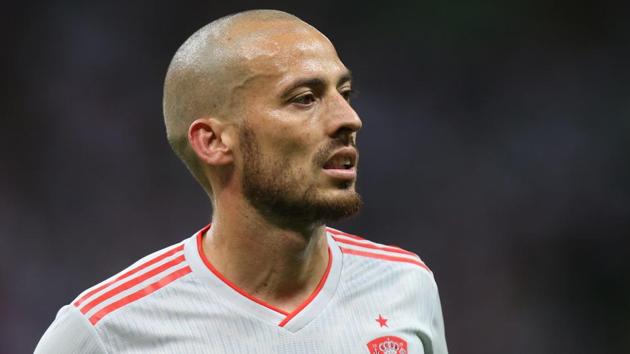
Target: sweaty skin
x,y
256,130
211,67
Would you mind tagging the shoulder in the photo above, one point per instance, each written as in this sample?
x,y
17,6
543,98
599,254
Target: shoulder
x,y
358,249
387,254
128,287
70,333
76,326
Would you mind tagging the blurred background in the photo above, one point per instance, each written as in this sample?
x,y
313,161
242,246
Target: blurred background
x,y
495,144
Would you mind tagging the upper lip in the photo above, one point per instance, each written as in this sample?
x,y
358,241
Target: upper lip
x,y
347,152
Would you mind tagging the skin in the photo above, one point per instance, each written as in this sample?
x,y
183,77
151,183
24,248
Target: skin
x,y
295,127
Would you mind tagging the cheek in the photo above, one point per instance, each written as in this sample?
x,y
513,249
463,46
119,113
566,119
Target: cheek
x,y
294,141
288,136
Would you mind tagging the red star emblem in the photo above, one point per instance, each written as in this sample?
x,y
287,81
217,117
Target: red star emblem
x,y
382,321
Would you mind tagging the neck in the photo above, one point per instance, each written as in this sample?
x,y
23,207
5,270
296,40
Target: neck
x,y
280,266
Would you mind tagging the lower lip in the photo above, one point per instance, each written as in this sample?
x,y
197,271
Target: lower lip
x,y
347,174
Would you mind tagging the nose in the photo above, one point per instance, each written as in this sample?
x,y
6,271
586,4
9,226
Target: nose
x,y
343,122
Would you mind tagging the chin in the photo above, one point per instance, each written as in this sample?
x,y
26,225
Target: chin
x,y
341,193
342,185
338,204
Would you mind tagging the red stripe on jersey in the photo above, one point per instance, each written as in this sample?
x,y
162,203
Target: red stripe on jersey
x,y
139,294
129,273
313,295
357,238
367,244
131,283
385,257
337,232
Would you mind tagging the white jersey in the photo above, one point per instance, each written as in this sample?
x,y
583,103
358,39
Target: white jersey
x,y
372,299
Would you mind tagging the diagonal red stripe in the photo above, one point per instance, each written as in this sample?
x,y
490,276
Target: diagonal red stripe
x,y
131,283
129,273
337,232
341,233
373,246
139,294
384,257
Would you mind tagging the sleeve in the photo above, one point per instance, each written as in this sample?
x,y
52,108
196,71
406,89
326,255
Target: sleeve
x,y
438,339
70,333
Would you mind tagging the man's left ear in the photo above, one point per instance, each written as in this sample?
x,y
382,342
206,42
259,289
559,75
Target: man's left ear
x,y
210,141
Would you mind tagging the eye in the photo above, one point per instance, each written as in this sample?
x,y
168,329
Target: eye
x,y
305,99
347,94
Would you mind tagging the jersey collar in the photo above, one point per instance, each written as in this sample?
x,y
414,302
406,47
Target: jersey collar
x,y
292,321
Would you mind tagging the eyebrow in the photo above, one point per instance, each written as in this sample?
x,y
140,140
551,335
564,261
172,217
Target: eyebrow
x,y
317,82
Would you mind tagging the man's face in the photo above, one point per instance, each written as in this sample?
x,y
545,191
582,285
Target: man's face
x,y
298,159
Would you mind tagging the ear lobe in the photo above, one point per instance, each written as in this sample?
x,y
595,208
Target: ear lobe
x,y
205,139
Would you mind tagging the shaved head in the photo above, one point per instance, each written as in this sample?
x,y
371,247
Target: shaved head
x,y
207,71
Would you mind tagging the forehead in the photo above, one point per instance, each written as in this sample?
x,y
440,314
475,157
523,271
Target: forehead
x,y
284,49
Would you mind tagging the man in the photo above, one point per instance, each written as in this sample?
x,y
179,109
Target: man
x,y
257,106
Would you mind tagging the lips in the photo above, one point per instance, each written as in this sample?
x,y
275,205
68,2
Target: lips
x,y
344,159
341,165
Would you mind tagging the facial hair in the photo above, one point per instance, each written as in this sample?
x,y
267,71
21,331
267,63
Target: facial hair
x,y
276,190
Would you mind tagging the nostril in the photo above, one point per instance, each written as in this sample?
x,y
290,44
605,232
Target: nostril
x,y
345,135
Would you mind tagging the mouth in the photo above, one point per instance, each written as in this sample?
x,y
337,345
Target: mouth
x,y
342,164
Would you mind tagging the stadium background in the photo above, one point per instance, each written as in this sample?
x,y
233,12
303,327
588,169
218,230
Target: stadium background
x,y
495,145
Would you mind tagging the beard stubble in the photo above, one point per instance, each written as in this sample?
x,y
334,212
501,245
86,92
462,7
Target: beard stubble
x,y
277,191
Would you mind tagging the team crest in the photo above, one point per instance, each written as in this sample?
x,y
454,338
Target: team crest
x,y
388,345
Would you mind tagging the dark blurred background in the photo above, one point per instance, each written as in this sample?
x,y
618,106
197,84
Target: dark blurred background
x,y
495,145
